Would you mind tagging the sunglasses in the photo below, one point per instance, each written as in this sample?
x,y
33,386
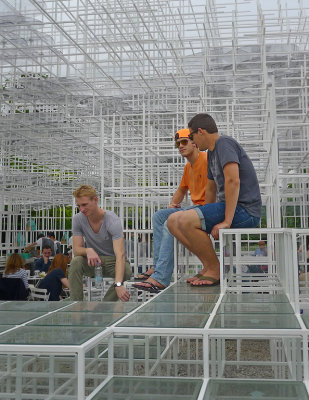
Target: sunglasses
x,y
183,142
191,134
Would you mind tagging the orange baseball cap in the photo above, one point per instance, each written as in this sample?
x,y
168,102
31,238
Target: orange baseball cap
x,y
182,134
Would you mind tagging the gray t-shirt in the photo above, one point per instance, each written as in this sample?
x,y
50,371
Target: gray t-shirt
x,y
228,150
101,242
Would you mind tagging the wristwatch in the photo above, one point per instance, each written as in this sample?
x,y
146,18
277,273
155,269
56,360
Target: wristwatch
x,y
118,284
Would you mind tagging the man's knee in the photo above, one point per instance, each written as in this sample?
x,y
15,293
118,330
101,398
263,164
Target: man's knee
x,y
172,222
157,217
76,265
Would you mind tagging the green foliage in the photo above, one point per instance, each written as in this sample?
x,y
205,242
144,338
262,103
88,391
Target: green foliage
x,y
291,218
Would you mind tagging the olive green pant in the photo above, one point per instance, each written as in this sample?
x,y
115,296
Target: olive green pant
x,y
79,267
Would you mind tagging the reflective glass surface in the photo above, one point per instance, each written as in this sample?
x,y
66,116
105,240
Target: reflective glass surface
x,y
161,307
255,321
52,335
305,318
183,287
166,320
33,305
79,318
150,388
255,298
103,307
253,308
5,327
246,389
187,298
17,317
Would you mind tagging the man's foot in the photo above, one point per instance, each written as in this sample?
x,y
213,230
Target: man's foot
x,y
204,280
197,276
150,285
144,275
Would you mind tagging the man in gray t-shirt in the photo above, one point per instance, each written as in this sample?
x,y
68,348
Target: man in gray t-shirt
x,y
232,199
97,240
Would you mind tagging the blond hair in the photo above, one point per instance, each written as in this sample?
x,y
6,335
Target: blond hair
x,y
85,190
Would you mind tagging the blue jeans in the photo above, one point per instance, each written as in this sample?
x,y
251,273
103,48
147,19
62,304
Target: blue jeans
x,y
163,246
213,213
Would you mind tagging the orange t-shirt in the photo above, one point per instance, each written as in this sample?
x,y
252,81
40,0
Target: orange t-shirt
x,y
195,179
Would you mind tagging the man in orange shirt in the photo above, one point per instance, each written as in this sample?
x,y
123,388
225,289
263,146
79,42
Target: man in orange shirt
x,y
194,179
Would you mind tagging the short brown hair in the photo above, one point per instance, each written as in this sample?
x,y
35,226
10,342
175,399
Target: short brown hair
x,y
59,261
203,121
85,190
13,264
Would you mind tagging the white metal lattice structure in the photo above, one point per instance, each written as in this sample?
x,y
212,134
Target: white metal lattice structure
x,y
93,92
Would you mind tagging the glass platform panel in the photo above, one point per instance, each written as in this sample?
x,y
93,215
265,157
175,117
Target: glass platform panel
x,y
183,287
18,317
51,335
41,306
124,388
161,307
187,298
255,321
255,298
4,328
250,389
103,307
79,319
305,318
165,320
253,308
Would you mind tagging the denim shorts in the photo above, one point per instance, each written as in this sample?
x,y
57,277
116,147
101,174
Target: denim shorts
x,y
213,213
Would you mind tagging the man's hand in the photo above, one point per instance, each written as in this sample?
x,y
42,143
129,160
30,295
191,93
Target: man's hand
x,y
215,230
92,257
46,259
174,205
122,293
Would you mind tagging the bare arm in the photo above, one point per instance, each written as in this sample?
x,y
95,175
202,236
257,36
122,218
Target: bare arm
x,y
231,185
178,197
210,192
65,282
30,246
119,251
80,250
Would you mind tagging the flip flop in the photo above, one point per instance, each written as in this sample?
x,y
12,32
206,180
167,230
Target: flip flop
x,y
152,288
145,275
207,278
195,276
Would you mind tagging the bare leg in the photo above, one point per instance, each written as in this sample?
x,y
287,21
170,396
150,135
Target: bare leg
x,y
186,227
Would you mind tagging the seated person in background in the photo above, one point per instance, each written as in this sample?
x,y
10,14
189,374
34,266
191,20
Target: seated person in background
x,y
57,244
304,248
43,241
261,251
56,277
14,268
43,263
